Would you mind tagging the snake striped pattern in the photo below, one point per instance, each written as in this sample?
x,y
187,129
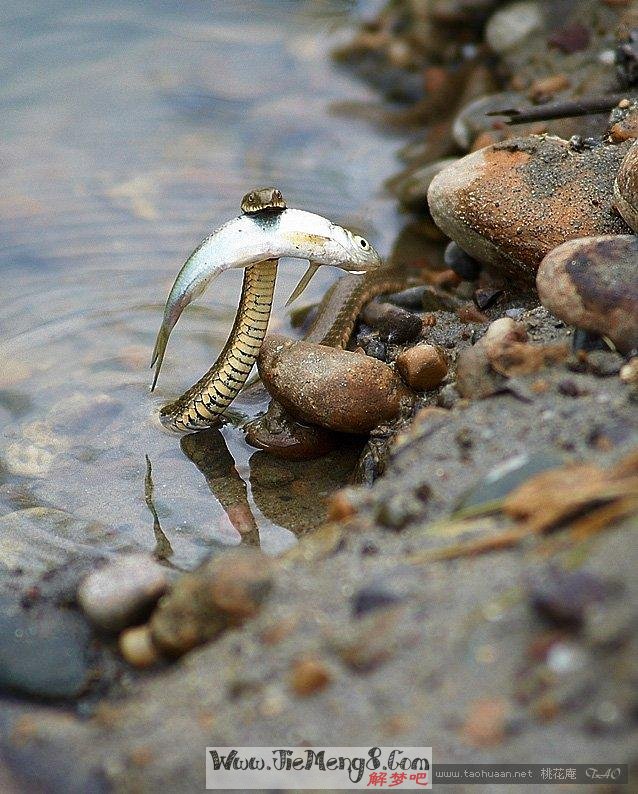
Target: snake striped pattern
x,y
203,404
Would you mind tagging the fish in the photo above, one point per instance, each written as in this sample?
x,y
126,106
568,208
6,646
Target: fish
x,y
251,238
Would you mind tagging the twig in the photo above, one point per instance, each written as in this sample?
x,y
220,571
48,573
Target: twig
x,y
561,110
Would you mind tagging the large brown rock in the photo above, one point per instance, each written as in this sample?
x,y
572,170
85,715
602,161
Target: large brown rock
x,y
626,188
509,204
332,388
593,284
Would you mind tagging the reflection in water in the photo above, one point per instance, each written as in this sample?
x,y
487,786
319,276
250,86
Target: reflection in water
x,y
293,493
208,451
129,130
163,549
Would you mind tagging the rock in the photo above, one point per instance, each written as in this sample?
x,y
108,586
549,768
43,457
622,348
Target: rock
x,y
332,388
593,284
563,596
422,367
411,186
486,722
448,396
623,122
472,122
123,591
626,188
309,676
43,652
136,646
504,479
461,263
500,335
371,597
281,435
394,324
224,592
475,375
410,298
508,27
485,298
510,204
475,378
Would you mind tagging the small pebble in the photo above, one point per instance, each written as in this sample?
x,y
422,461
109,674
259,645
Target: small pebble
x,y
508,27
122,591
309,676
371,597
136,646
484,298
410,298
394,324
422,367
562,596
281,435
461,263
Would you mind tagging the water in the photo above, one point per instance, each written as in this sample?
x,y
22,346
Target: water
x,y
130,130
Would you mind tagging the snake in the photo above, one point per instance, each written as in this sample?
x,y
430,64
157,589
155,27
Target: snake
x,y
266,231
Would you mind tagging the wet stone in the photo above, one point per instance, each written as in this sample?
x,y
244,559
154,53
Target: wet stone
x,y
281,435
562,596
593,284
309,676
461,263
372,597
332,388
224,592
372,345
626,188
510,204
123,591
422,367
394,324
44,652
410,298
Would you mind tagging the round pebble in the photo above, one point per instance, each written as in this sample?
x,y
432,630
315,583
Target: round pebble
x,y
309,676
461,263
508,27
136,646
422,367
281,435
593,284
122,591
332,388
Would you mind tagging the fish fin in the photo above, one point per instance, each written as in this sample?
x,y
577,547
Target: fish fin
x,y
303,283
158,353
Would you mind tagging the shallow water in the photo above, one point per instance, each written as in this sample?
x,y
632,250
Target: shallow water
x,y
129,132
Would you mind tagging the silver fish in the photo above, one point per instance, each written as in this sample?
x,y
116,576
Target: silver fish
x,y
249,239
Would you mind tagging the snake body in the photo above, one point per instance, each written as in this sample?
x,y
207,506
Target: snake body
x,y
205,401
256,240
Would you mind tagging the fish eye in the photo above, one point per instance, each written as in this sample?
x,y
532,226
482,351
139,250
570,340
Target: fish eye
x,y
362,242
